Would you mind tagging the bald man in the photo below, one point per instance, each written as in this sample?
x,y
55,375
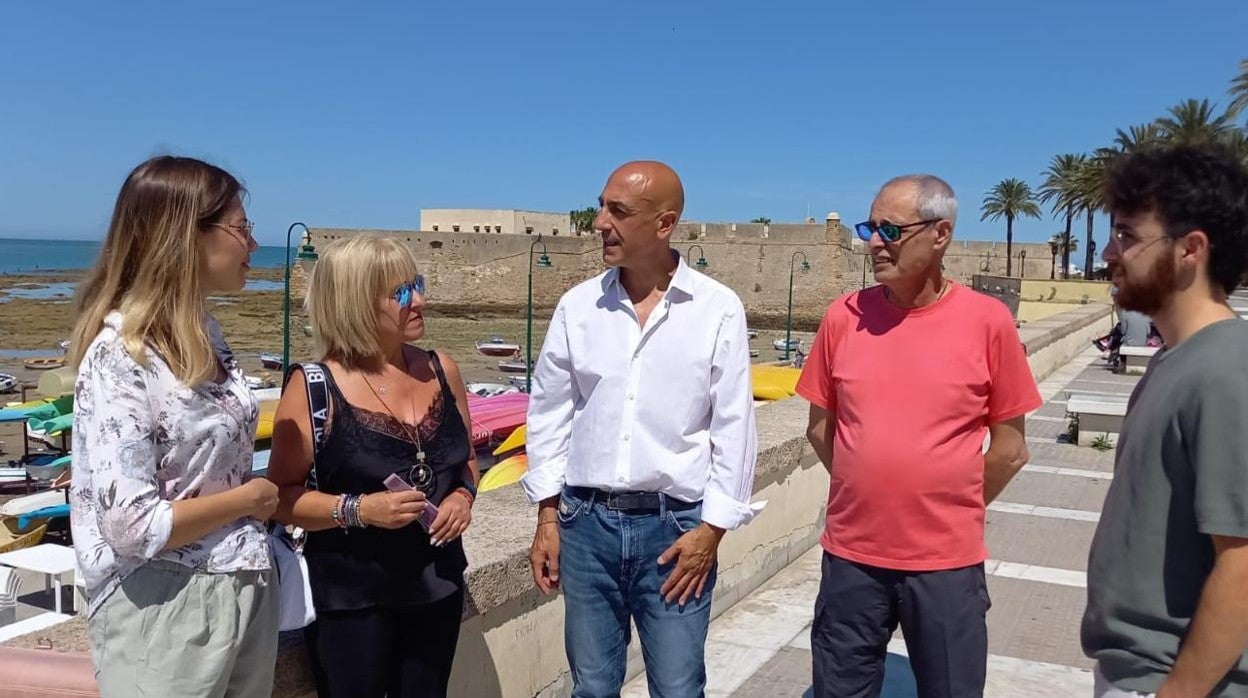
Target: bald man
x,y
641,445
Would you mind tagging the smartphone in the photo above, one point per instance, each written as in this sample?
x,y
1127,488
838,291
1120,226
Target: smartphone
x,y
394,483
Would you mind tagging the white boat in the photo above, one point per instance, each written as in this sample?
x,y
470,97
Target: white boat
x,y
513,366
521,382
8,383
793,344
753,353
257,383
751,334
491,389
64,345
497,346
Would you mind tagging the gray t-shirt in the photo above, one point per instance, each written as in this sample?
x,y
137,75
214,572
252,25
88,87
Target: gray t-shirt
x,y
1181,474
1135,328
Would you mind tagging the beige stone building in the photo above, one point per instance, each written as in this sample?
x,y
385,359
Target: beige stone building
x,y
495,221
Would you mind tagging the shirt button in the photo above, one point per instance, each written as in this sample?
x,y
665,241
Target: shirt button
x,y
626,437
632,396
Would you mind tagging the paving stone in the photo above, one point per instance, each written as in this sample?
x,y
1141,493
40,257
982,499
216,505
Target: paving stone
x,y
1035,540
1036,621
1065,491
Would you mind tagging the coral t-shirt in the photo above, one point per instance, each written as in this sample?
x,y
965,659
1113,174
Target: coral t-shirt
x,y
912,393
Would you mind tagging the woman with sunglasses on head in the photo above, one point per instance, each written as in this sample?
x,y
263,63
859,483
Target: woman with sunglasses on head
x,y
167,520
388,591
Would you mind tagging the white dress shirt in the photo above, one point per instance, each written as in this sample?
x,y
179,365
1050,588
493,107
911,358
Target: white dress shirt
x,y
663,408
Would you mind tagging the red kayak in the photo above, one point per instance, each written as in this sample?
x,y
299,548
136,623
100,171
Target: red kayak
x,y
494,418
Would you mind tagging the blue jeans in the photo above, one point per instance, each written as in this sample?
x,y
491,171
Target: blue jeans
x,y
609,572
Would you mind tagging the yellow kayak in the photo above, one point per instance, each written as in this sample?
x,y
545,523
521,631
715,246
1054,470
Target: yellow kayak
x,y
774,382
511,443
264,428
505,472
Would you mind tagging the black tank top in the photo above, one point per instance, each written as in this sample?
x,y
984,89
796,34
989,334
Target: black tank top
x,y
351,569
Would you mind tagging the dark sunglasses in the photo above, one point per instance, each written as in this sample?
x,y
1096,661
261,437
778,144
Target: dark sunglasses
x,y
888,231
403,294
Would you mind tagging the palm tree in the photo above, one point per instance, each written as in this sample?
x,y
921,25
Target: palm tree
x,y
1063,243
1061,186
1236,141
1010,198
583,219
1239,91
1091,182
1192,122
1137,138
762,219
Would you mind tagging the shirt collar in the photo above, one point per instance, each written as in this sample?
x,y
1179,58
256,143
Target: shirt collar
x,y
683,281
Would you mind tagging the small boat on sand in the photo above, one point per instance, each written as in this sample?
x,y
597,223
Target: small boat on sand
x,y
490,389
271,361
44,363
751,334
8,382
497,346
793,344
513,366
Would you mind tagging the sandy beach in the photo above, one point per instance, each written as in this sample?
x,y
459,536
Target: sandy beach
x,y
252,321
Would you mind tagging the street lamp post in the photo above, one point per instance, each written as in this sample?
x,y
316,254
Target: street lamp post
x,y
788,333
701,263
1054,248
542,262
1022,264
286,296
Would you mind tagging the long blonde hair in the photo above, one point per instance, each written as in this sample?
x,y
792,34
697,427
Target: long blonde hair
x,y
149,268
351,276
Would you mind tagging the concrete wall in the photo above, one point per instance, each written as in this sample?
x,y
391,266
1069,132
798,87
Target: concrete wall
x,y
1066,291
501,221
475,270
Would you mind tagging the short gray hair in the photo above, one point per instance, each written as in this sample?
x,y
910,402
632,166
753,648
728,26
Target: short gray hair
x,y
933,196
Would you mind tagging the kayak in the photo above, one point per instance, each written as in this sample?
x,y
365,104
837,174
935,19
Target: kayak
x,y
774,382
505,472
511,443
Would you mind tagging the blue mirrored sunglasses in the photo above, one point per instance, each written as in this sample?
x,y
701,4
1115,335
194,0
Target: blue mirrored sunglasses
x,y
888,231
403,294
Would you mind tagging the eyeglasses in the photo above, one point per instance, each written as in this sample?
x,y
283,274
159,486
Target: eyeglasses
x,y
403,294
245,228
887,231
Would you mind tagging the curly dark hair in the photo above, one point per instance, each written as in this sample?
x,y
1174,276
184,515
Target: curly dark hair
x,y
1190,188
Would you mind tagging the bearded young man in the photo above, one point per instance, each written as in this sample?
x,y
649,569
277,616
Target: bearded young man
x,y
1167,610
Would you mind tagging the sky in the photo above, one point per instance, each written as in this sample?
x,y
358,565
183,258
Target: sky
x,y
360,114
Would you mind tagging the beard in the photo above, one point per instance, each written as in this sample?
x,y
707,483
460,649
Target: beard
x,y
1150,294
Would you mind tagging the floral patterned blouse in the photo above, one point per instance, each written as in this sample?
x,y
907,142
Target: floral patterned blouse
x,y
142,440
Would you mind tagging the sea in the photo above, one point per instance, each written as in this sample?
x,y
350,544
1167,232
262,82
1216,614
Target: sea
x,y
25,256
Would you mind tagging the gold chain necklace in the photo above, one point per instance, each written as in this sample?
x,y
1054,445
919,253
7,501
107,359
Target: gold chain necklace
x,y
414,437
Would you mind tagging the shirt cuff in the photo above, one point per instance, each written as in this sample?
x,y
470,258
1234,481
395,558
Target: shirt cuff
x,y
159,528
727,513
542,483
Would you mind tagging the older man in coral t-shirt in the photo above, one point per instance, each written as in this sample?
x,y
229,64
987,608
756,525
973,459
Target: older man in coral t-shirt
x,y
904,380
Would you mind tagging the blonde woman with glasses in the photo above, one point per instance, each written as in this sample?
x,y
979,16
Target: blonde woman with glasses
x,y
395,476
167,520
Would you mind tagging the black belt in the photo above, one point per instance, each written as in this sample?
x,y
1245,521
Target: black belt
x,y
632,502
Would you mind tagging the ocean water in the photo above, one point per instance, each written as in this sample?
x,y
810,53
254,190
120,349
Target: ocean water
x,y
27,256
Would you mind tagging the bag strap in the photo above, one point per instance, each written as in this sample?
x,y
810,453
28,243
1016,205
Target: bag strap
x,y
315,379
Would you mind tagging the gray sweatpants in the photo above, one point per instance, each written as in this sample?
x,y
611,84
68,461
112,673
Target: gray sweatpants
x,y
171,631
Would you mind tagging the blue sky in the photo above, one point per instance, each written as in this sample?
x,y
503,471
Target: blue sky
x,y
360,114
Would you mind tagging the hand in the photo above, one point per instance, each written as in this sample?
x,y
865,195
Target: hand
x,y
454,515
259,498
694,553
544,555
391,509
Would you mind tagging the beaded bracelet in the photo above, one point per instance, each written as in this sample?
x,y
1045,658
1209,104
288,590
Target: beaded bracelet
x,y
336,512
354,511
